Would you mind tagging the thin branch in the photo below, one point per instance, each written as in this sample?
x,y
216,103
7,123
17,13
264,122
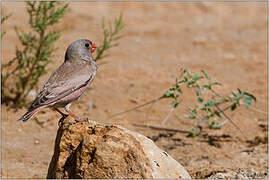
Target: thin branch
x,y
227,117
168,115
258,110
160,128
137,107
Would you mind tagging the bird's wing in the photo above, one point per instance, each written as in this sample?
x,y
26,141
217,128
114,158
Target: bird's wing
x,y
57,88
58,92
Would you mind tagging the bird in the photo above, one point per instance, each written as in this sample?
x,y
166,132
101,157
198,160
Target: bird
x,y
68,82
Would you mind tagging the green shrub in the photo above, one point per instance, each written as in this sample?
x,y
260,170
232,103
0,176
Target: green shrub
x,y
3,19
210,104
111,34
30,62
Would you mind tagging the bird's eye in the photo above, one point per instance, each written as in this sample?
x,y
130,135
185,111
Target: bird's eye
x,y
87,45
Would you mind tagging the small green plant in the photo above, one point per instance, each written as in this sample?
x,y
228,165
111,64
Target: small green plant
x,y
195,131
214,124
209,106
3,19
111,34
209,102
30,62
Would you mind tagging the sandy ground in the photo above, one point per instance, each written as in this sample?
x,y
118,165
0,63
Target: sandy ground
x,y
228,40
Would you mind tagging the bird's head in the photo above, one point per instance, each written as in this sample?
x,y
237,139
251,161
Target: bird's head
x,y
81,49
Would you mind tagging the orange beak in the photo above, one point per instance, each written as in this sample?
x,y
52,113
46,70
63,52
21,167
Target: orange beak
x,y
93,47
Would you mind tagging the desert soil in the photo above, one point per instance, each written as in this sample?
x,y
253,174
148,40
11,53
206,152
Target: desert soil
x,y
228,40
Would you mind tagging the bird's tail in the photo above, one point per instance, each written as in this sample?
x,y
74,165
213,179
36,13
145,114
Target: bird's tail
x,y
27,115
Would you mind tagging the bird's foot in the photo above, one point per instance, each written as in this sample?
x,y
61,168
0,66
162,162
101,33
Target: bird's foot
x,y
61,121
79,120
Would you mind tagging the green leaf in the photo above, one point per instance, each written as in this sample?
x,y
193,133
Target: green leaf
x,y
196,77
200,100
215,83
169,93
206,86
214,124
234,106
181,82
179,90
232,95
239,96
205,74
191,116
174,103
250,95
190,83
188,76
209,85
210,103
247,100
195,131
217,113
193,113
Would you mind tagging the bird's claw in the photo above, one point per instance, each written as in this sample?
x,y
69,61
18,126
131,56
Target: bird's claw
x,y
60,122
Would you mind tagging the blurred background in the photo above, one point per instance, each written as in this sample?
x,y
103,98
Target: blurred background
x,y
227,40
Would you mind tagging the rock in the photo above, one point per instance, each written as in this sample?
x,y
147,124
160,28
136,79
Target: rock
x,y
220,176
240,173
93,150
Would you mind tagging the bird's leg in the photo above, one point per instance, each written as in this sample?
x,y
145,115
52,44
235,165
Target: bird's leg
x,y
76,118
63,116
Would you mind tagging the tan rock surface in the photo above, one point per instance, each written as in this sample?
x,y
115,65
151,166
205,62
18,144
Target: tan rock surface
x,y
93,150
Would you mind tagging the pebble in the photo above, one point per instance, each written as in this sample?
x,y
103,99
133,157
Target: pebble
x,y
91,105
32,94
36,142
